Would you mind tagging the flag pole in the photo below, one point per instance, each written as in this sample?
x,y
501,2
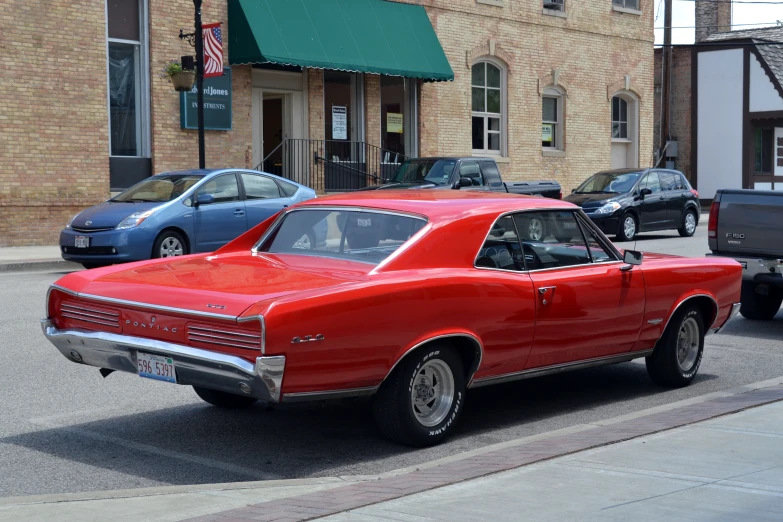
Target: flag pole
x,y
200,83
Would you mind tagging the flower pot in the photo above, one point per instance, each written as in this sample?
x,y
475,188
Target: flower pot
x,y
183,80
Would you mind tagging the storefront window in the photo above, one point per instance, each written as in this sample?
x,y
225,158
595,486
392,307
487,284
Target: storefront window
x,y
343,99
763,148
392,114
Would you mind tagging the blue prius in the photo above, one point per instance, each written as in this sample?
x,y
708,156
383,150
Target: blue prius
x,y
177,213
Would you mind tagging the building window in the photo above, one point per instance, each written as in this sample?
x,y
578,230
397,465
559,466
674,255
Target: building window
x,y
488,86
762,150
619,118
128,79
552,119
555,5
626,4
344,118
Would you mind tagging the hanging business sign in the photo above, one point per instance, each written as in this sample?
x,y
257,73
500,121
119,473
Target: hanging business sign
x,y
217,104
394,122
339,123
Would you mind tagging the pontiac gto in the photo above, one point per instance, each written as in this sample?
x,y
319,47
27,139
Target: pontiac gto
x,y
413,297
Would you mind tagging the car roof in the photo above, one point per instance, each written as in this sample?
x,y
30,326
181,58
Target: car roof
x,y
622,171
454,158
439,205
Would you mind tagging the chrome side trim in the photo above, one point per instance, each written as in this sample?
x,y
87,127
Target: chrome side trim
x,y
329,394
192,366
63,289
735,308
557,368
402,248
161,308
445,336
706,328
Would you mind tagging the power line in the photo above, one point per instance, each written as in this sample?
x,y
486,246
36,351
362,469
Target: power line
x,y
721,43
770,24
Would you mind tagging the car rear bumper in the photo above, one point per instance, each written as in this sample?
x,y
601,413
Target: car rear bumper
x,y
769,271
735,308
262,380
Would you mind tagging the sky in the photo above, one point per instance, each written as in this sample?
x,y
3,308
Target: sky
x,y
683,11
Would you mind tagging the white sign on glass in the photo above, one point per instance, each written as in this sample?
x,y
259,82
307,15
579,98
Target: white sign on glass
x,y
339,123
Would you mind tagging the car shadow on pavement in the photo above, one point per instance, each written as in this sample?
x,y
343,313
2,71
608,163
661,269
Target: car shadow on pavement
x,y
200,444
771,330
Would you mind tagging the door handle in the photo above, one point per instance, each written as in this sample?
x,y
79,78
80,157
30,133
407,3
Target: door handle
x,y
661,197
238,212
546,290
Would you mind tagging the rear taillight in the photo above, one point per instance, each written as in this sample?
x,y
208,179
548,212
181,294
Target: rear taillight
x,y
712,224
695,192
560,195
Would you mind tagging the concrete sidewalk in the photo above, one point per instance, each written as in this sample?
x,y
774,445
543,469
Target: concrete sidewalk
x,y
664,463
33,258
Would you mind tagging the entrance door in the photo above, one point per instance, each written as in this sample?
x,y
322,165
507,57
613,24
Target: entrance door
x,y
272,134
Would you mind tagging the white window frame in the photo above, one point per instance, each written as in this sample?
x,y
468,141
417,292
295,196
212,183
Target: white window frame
x,y
503,115
559,95
620,121
141,75
632,114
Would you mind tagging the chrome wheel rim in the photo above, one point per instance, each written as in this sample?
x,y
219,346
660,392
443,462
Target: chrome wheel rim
x,y
432,393
629,227
688,344
690,223
171,247
304,243
535,229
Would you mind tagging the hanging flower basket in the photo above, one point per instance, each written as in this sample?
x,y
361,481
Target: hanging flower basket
x,y
183,80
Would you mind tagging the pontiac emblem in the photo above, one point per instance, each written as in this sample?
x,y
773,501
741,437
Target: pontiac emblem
x,y
152,319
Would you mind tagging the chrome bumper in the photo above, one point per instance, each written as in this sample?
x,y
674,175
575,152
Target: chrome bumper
x,y
735,308
262,380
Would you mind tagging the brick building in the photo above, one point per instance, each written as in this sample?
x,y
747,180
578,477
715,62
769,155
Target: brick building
x,y
557,90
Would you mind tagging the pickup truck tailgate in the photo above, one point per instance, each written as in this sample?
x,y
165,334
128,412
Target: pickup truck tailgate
x,y
750,222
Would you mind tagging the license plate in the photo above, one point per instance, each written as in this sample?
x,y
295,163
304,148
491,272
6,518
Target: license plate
x,y
82,241
156,367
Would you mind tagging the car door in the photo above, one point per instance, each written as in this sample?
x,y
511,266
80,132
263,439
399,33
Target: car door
x,y
676,197
263,197
652,209
471,170
221,220
586,306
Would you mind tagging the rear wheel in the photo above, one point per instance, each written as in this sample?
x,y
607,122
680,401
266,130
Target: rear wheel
x,y
421,401
228,401
688,227
628,228
169,244
759,301
678,353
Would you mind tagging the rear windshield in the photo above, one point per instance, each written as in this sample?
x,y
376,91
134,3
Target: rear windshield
x,y
365,236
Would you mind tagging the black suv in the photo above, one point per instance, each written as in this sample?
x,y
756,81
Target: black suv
x,y
625,202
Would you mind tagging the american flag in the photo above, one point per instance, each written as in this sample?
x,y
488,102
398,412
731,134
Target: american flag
x,y
213,50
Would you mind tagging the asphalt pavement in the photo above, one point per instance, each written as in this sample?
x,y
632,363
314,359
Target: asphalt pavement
x,y
64,428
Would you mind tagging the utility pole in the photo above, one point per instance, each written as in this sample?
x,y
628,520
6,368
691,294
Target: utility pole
x,y
200,83
666,57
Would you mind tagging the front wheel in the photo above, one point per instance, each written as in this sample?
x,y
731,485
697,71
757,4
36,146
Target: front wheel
x,y
688,227
628,228
421,401
760,302
228,401
169,244
677,355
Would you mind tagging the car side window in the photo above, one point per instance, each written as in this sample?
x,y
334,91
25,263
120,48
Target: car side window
x,y
652,182
678,184
259,187
223,188
667,181
491,174
471,171
598,252
501,249
289,189
551,240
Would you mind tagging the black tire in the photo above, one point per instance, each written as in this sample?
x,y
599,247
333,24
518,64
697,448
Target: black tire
x,y
683,231
90,266
664,366
170,237
393,406
758,306
621,233
228,401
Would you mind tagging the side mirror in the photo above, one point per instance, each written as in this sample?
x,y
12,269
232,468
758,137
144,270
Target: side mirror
x,y
463,182
573,191
204,199
631,258
645,192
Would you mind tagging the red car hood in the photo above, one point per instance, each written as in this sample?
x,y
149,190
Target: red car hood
x,y
226,284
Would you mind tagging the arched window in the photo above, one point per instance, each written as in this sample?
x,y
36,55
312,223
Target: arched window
x,y
625,130
552,121
488,104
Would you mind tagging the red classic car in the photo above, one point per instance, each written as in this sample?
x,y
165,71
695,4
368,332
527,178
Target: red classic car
x,y
410,296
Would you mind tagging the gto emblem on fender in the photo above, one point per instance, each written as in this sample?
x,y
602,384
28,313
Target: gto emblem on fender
x,y
219,306
307,339
655,321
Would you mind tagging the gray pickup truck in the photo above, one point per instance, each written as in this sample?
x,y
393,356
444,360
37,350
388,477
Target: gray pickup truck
x,y
747,225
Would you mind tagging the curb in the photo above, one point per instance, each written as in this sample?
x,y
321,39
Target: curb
x,y
38,264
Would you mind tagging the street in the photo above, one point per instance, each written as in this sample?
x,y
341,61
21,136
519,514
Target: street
x,y
64,428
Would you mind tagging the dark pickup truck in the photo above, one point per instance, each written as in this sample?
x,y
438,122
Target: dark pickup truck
x,y
470,173
746,225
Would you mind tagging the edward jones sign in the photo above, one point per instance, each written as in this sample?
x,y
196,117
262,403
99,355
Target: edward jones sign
x,y
217,104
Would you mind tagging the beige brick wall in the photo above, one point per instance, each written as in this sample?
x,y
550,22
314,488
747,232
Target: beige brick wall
x,y
54,140
680,116
172,147
593,49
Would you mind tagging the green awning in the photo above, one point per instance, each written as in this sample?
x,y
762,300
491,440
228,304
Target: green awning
x,y
370,36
